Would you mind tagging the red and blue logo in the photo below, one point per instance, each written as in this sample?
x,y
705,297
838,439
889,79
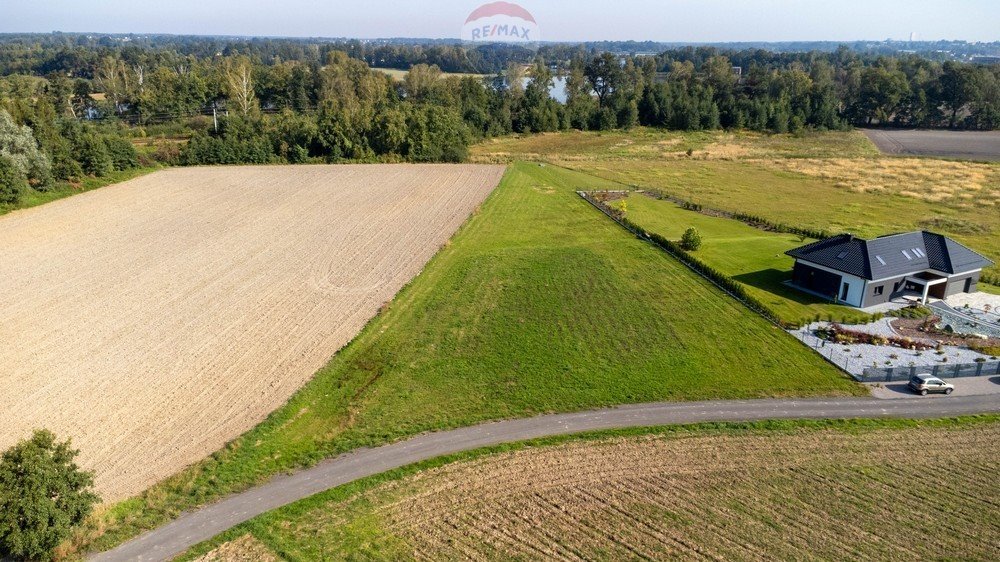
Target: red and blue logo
x,y
500,22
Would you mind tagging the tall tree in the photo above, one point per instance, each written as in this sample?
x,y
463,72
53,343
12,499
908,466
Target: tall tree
x,y
237,74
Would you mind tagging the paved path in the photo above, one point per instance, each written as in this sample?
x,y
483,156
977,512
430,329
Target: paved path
x,y
190,529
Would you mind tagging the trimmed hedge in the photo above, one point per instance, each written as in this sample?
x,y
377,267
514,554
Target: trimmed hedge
x,y
990,279
755,221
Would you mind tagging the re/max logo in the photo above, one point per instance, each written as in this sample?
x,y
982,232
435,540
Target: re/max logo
x,y
497,30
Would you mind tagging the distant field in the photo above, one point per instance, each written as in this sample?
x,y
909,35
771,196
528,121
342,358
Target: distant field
x,y
752,256
398,74
836,182
656,144
153,321
966,145
539,304
872,490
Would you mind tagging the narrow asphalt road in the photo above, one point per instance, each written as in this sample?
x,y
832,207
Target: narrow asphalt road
x,y
177,536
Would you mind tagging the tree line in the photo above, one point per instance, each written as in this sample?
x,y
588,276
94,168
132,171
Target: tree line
x,y
71,108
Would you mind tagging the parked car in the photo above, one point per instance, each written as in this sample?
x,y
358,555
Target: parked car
x,y
924,384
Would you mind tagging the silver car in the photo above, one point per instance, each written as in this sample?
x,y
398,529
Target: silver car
x,y
925,384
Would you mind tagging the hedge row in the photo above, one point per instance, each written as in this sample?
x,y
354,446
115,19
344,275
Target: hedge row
x,y
755,221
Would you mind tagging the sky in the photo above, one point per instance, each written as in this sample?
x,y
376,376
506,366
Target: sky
x,y
558,20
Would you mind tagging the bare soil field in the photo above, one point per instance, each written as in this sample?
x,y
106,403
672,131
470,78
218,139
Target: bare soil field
x,y
802,494
966,145
154,320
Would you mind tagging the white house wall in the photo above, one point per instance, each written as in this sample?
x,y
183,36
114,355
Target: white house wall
x,y
857,285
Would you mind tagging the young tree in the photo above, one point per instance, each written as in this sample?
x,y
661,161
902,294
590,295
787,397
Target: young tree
x,y
43,495
12,183
691,240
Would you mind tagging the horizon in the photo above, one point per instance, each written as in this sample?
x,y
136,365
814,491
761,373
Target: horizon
x,y
560,21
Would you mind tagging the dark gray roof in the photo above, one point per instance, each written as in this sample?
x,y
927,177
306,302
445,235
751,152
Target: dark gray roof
x,y
894,255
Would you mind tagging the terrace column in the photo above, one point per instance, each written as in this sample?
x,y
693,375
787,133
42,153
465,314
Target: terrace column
x,y
927,289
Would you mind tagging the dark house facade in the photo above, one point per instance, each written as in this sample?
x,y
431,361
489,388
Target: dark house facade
x,y
865,273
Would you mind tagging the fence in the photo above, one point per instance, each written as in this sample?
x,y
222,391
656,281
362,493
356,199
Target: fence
x,y
944,371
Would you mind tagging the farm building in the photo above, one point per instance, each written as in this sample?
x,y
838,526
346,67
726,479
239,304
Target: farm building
x,y
865,273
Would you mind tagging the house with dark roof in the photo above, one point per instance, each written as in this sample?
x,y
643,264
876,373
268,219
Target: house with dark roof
x,y
865,273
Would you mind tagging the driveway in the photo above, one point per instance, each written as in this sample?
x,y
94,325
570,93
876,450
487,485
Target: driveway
x,y
192,528
964,386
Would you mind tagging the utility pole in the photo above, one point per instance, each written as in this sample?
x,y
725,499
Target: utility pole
x,y
215,117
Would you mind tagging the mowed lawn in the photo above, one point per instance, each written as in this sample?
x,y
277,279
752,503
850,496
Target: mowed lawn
x,y
789,490
750,255
538,304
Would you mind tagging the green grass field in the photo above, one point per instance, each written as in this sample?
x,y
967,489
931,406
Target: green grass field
x,y
752,256
782,490
539,304
836,182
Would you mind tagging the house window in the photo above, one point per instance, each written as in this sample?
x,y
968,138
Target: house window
x,y
844,292
879,289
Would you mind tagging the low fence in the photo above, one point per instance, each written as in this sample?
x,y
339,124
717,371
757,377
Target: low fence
x,y
942,371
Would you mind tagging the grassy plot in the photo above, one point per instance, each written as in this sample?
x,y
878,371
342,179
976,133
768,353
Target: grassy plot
x,y
657,144
538,304
752,256
835,181
769,490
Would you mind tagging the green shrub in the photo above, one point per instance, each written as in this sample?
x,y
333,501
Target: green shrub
x,y
43,495
18,144
122,153
12,183
691,240
93,156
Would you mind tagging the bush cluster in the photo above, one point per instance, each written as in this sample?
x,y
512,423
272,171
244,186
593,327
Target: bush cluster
x,y
838,334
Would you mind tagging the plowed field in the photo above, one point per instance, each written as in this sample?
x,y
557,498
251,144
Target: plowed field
x,y
756,495
154,320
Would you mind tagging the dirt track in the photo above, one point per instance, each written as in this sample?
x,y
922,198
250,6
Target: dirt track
x,y
154,320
